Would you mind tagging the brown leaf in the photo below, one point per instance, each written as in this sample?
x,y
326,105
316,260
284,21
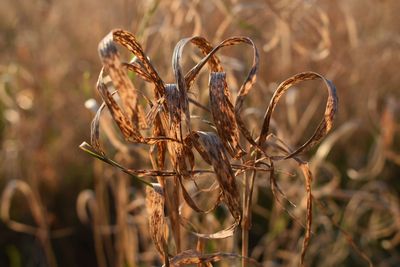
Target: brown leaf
x,y
112,65
161,146
245,87
95,131
120,118
324,126
205,47
308,179
173,104
138,69
223,114
191,203
211,144
129,41
155,207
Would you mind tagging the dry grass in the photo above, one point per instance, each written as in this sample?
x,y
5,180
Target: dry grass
x,y
49,67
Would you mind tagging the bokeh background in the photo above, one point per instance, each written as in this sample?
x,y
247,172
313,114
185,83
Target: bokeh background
x,y
49,65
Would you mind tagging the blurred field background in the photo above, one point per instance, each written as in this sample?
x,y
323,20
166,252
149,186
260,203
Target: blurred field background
x,y
48,68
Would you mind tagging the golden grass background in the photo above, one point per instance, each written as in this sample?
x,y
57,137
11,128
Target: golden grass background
x,y
49,66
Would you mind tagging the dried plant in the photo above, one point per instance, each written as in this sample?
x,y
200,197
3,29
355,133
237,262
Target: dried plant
x,y
229,150
355,190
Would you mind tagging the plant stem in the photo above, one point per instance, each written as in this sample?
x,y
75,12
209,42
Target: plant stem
x,y
245,222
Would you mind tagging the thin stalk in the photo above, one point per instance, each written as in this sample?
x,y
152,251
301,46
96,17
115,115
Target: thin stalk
x,y
245,223
98,217
40,216
48,250
247,198
90,150
121,203
176,203
200,248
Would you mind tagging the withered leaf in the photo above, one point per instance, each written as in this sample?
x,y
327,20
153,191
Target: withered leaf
x,y
173,104
155,207
113,66
129,41
308,179
223,114
95,131
205,47
138,69
327,121
211,144
124,123
245,87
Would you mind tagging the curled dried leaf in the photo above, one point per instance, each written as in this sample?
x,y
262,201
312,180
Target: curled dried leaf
x,y
183,83
245,87
205,47
324,126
